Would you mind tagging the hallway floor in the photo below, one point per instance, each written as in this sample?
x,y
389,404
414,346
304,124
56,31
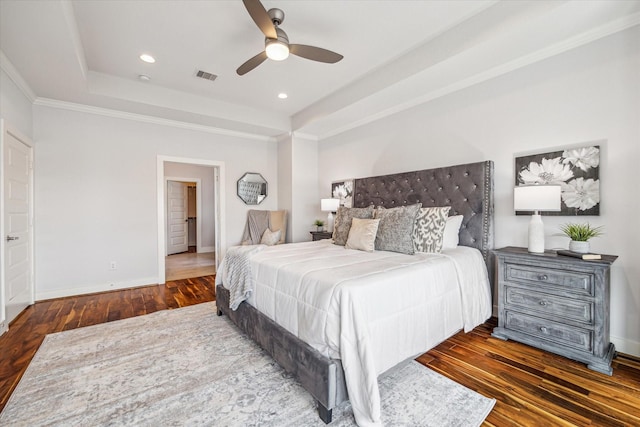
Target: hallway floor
x,y
187,265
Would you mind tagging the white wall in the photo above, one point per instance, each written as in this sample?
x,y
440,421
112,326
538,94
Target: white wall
x,y
206,176
285,179
96,195
306,199
15,107
298,169
590,94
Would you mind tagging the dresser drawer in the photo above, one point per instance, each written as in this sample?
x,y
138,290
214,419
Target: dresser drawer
x,y
549,306
563,335
562,280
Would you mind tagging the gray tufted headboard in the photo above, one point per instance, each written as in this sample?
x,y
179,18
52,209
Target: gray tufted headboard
x,y
468,189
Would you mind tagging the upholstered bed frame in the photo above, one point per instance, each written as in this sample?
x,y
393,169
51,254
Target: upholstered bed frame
x,y
468,189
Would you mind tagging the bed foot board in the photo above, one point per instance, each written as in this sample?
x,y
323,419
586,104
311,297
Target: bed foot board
x,y
323,378
324,413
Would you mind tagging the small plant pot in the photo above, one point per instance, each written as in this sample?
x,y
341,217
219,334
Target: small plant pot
x,y
319,227
580,247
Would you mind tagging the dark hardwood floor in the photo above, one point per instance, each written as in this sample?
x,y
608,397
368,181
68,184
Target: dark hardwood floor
x,y
536,388
532,387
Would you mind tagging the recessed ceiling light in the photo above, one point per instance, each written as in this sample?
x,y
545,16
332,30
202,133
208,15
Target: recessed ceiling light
x,y
144,77
147,58
283,95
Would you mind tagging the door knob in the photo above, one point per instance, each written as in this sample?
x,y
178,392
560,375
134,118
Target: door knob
x,y
10,238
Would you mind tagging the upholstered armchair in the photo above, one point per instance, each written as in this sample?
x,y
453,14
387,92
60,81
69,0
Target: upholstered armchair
x,y
260,222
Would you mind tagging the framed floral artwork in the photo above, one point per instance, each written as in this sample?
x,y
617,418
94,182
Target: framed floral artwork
x,y
343,190
576,170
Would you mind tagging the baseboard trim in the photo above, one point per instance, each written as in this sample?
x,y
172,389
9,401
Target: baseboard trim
x,y
205,249
626,346
103,287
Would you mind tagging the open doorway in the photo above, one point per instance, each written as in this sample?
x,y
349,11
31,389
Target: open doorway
x,y
187,226
179,227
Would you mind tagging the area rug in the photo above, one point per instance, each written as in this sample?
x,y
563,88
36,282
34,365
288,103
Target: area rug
x,y
190,367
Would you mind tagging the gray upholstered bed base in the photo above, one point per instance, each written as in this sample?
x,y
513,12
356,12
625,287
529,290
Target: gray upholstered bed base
x,y
468,189
323,378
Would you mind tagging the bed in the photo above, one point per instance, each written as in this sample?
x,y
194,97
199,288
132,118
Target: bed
x,y
358,316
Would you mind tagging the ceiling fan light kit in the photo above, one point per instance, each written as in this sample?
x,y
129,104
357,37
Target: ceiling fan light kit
x,y
277,45
276,50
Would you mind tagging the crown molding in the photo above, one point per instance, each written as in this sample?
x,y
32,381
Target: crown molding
x,y
53,103
302,135
582,39
15,77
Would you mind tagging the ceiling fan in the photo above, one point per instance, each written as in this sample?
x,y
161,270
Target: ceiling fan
x,y
276,43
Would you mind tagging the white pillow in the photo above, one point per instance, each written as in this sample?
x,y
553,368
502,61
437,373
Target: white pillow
x,y
362,234
451,230
270,238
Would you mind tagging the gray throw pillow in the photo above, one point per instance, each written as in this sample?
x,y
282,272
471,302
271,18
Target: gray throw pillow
x,y
395,231
342,224
428,233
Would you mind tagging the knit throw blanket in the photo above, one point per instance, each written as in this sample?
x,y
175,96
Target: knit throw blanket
x,y
235,273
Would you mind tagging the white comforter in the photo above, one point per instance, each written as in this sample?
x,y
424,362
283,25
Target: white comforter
x,y
371,310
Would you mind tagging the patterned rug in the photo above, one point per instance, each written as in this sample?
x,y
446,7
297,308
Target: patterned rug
x,y
191,367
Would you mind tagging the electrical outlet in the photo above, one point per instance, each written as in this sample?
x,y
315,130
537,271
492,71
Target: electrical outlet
x,y
113,265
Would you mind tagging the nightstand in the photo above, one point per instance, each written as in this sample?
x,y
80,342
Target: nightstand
x,y
556,303
320,235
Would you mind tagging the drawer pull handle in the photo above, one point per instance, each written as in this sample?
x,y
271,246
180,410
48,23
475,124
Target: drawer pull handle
x,y
544,303
543,329
543,277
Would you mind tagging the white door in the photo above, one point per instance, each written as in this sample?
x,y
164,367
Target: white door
x,y
18,283
177,221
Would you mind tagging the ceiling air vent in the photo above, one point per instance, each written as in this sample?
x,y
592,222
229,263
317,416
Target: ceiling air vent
x,y
205,75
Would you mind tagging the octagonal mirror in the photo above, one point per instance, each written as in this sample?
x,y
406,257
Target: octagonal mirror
x,y
252,188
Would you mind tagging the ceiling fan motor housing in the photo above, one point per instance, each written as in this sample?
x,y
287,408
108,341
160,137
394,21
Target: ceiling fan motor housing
x,y
276,15
282,37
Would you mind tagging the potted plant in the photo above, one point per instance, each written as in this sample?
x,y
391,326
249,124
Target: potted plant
x,y
319,224
580,235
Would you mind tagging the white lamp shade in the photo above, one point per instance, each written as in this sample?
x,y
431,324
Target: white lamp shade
x,y
536,198
329,205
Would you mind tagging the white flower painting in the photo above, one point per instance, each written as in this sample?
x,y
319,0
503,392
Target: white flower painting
x,y
576,170
548,171
583,158
343,190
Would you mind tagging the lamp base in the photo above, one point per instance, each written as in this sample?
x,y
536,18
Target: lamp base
x,y
536,234
330,223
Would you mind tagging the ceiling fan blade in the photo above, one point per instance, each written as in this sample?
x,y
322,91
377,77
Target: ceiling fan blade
x,y
315,53
260,16
252,63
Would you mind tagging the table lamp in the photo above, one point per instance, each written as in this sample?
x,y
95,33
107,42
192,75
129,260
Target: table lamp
x,y
536,198
329,205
